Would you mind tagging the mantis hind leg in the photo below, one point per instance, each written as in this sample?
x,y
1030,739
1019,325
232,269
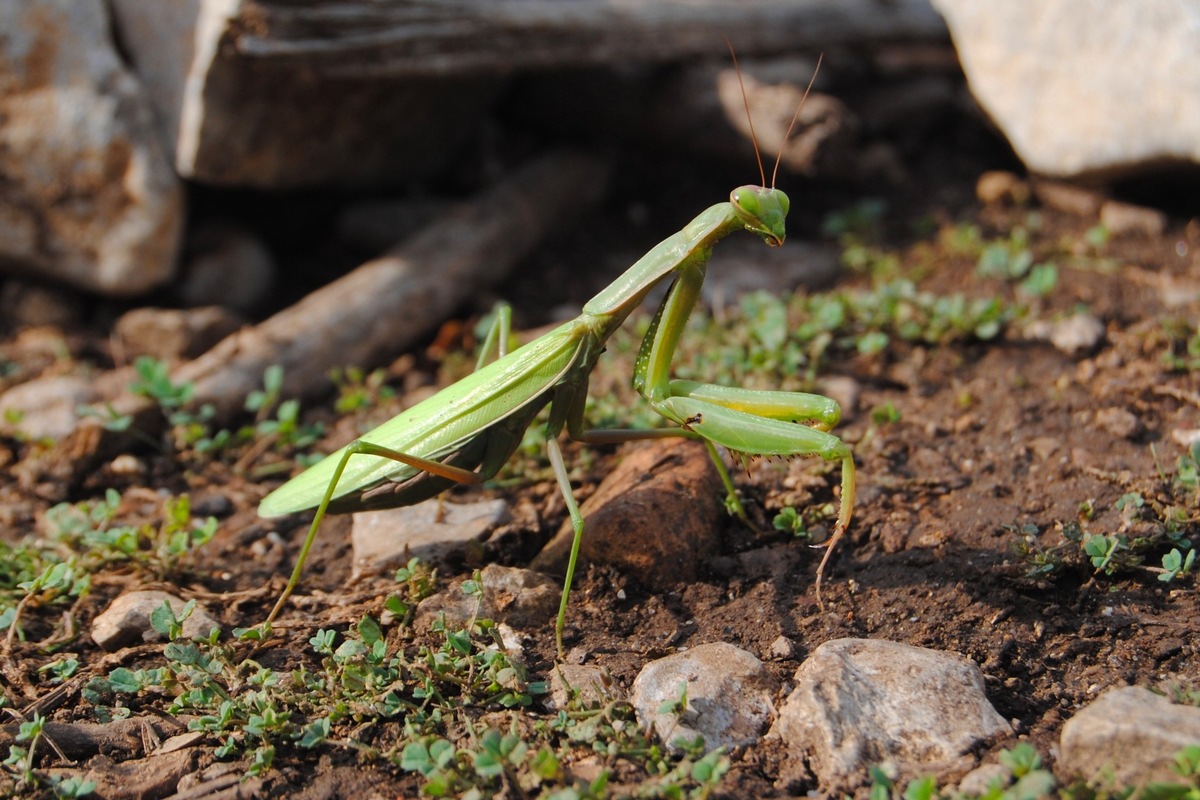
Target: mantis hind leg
x,y
360,448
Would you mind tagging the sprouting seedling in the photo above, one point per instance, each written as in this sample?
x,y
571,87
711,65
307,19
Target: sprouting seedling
x,y
465,433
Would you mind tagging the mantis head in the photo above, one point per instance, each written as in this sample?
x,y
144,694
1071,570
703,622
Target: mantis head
x,y
762,211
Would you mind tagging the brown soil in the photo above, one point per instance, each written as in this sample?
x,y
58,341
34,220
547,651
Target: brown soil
x,y
991,436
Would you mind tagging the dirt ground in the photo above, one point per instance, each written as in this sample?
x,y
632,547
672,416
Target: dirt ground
x,y
960,447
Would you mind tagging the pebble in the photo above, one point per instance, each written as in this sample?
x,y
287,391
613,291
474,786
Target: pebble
x,y
126,621
996,186
1120,423
521,598
44,408
783,648
1074,335
1123,219
171,334
1071,199
729,696
589,682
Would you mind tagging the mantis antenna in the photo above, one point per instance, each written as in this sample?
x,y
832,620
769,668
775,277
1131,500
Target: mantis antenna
x,y
795,117
750,119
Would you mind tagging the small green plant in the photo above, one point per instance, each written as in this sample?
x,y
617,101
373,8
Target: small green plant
x,y
1182,345
358,391
154,381
885,414
789,520
458,711
1176,564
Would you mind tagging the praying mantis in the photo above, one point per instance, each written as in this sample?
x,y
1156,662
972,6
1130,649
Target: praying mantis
x,y
466,432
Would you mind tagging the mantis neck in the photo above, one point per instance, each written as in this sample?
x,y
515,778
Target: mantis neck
x,y
691,245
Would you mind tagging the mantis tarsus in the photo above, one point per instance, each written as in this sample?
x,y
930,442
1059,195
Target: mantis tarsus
x,y
465,433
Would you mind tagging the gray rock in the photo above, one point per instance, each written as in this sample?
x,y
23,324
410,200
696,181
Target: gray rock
x,y
1130,731
859,702
89,197
429,531
240,119
521,598
127,620
1083,86
729,695
589,681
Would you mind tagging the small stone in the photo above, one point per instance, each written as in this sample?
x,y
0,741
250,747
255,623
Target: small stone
x,y
1000,186
783,648
858,702
127,465
521,598
844,390
1123,219
1068,198
430,531
1186,436
1075,335
982,779
171,334
1129,733
589,682
729,695
1120,423
126,621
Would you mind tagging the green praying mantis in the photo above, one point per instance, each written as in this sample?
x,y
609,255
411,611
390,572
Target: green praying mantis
x,y
465,433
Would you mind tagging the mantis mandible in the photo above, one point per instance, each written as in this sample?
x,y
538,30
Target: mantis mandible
x,y
465,433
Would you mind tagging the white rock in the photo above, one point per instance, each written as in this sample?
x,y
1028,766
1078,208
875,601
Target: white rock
x,y
859,702
729,695
127,620
1131,731
1075,335
89,196
1085,85
388,538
